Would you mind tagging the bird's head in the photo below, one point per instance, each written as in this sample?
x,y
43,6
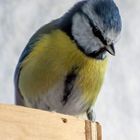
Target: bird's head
x,y
96,27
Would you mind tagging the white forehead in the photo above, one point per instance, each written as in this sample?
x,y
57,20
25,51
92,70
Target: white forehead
x,y
112,36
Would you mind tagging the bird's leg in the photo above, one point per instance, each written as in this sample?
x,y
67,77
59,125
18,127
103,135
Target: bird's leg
x,y
91,114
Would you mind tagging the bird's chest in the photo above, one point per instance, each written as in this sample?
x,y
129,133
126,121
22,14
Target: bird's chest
x,y
58,74
72,92
90,78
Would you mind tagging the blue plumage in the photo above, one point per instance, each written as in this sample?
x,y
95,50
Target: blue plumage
x,y
109,13
62,67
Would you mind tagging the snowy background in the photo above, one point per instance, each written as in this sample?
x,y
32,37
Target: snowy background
x,y
118,105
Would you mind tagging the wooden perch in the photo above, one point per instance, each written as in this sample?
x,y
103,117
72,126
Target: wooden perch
x,y
21,123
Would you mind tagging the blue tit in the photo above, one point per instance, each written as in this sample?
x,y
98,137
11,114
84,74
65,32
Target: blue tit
x,y
62,67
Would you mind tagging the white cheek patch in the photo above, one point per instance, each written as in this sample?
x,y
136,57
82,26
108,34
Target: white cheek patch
x,y
82,32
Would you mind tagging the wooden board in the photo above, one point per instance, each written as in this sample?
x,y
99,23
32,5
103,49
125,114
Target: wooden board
x,y
21,123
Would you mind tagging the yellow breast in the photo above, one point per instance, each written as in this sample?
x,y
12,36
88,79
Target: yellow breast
x,y
91,78
53,56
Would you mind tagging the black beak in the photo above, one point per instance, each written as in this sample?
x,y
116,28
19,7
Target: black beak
x,y
110,49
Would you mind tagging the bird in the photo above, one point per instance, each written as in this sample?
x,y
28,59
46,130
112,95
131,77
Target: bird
x,y
62,67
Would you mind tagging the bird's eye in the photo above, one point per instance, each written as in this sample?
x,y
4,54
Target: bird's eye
x,y
96,31
98,34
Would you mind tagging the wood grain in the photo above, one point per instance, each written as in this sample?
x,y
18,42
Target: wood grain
x,y
21,123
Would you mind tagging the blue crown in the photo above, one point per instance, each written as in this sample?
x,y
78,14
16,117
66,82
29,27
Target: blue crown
x,y
109,13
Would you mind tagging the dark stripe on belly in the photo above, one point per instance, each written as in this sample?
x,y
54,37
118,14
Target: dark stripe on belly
x,y
68,85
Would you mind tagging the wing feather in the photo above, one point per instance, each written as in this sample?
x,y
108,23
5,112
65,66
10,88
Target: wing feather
x,y
43,30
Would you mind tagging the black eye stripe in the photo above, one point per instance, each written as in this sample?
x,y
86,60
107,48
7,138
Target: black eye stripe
x,y
95,30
